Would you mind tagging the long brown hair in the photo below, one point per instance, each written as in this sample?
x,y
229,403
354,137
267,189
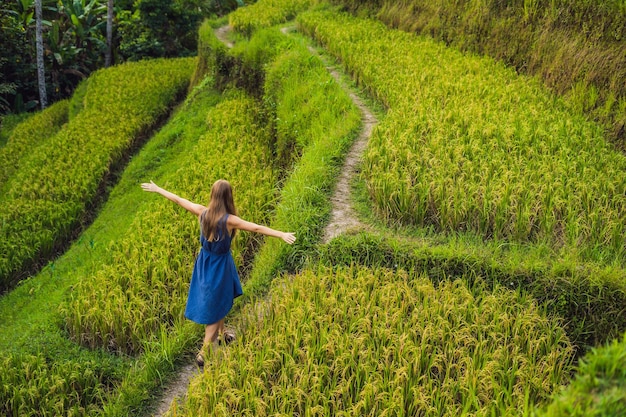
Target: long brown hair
x,y
220,203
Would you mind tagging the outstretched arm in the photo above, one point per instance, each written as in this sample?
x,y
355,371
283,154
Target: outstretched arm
x,y
235,222
186,204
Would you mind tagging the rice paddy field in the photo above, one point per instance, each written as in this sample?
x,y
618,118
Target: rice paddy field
x,y
490,280
361,341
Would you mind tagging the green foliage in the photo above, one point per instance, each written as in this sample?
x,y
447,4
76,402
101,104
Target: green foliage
x,y
590,298
81,21
39,386
475,147
249,19
74,44
30,134
18,83
599,388
8,123
75,41
158,28
355,341
314,122
570,44
219,7
46,199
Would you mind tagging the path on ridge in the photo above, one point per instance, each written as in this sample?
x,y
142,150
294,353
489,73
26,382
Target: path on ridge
x,y
342,219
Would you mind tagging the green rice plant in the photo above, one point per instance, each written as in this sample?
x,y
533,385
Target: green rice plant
x,y
213,59
30,312
145,284
8,122
356,341
39,387
302,202
599,388
468,145
247,20
47,199
314,122
590,298
575,47
30,134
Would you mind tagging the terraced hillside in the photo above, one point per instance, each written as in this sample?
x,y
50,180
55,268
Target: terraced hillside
x,y
490,280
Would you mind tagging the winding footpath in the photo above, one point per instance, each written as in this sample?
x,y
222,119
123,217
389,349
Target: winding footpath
x,y
342,219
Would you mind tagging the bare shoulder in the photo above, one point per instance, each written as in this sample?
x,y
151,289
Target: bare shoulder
x,y
233,221
196,209
236,222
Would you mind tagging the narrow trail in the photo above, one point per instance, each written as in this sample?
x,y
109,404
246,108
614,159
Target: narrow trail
x,y
177,388
342,219
222,35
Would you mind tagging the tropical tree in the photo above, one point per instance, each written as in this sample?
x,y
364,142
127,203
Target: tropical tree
x,y
18,83
159,28
76,43
41,72
109,51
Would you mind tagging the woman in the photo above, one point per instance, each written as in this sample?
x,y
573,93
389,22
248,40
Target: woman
x,y
215,281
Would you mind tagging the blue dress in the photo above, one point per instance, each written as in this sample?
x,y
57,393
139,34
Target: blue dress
x,y
215,281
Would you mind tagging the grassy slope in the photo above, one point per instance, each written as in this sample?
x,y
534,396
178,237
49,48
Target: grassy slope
x,y
42,293
518,261
356,341
8,123
39,296
575,46
30,318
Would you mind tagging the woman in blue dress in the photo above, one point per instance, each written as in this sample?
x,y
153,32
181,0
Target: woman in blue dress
x,y
215,281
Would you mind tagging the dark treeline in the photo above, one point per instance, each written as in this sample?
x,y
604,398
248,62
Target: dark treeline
x,y
577,47
75,42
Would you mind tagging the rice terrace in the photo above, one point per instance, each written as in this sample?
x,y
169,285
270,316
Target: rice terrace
x,y
454,173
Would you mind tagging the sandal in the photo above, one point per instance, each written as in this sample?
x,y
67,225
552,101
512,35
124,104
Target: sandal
x,y
227,338
200,359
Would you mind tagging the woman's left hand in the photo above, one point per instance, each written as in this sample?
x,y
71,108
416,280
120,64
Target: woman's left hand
x,y
150,186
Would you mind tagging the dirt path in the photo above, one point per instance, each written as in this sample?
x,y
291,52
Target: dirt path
x,y
177,388
342,219
222,34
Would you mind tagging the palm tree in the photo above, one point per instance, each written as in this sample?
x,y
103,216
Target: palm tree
x,y
41,75
107,56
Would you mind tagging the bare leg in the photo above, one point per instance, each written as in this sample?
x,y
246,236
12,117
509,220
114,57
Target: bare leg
x,y
212,331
